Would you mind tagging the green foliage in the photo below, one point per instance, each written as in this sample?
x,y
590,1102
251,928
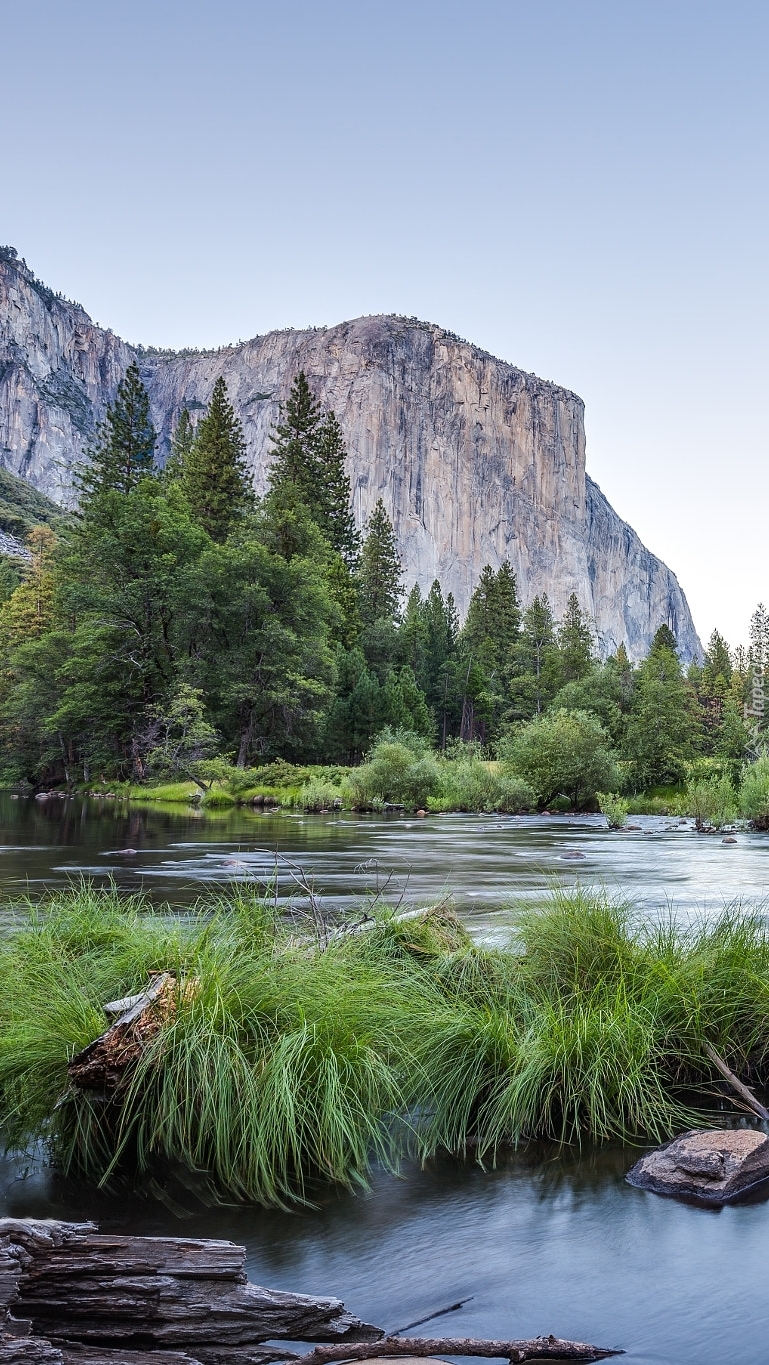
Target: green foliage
x,y
381,573
212,468
563,753
309,458
614,808
124,450
467,783
22,507
712,802
662,728
593,1024
318,795
399,770
754,793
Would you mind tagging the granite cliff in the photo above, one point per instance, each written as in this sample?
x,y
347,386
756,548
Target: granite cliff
x,y
475,460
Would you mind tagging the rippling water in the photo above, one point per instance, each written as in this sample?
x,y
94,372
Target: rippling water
x,y
544,1243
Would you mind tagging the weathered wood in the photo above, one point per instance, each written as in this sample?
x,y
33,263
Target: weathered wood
x,y
742,1090
103,1064
536,1348
71,1282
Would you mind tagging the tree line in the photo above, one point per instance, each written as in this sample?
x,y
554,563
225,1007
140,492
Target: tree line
x,y
175,611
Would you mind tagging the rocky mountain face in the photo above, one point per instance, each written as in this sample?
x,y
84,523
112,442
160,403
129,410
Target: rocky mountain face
x,y
475,461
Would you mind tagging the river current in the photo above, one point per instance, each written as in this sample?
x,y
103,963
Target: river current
x,y
546,1242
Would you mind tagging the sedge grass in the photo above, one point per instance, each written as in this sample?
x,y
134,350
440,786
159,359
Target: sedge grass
x,y
282,1066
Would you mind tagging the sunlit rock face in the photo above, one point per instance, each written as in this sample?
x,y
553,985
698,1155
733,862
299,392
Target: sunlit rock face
x,y
475,461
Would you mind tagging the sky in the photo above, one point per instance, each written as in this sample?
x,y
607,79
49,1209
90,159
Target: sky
x,y
578,186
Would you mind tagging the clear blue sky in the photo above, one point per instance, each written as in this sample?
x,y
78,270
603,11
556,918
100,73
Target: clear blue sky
x,y
579,186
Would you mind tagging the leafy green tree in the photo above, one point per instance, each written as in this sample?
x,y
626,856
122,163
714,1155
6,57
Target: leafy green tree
x,y
562,754
177,738
124,450
214,475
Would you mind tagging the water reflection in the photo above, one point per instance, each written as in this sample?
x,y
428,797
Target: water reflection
x,y
545,1242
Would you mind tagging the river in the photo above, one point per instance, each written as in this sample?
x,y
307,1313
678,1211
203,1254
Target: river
x,y
546,1242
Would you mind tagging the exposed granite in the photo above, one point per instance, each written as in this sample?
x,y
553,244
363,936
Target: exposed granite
x,y
712,1166
475,460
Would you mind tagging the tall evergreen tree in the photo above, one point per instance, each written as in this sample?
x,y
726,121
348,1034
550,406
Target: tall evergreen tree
x,y
663,727
575,642
181,446
124,450
295,439
214,475
309,455
538,674
380,578
333,501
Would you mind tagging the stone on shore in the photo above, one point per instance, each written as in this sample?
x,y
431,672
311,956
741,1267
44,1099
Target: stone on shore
x,y
713,1165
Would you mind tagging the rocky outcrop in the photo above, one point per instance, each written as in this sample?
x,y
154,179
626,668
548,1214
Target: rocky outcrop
x,y
712,1166
475,460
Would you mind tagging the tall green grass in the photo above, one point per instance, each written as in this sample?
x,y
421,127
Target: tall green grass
x,y
285,1063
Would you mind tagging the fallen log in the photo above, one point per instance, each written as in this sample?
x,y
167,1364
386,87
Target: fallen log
x,y
103,1064
737,1086
536,1348
71,1295
67,1283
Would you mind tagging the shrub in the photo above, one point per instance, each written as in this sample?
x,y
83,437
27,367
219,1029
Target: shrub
x,y
317,795
614,808
712,802
395,773
563,753
754,793
467,784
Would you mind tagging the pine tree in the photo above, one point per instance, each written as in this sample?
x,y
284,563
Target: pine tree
x,y
538,673
124,451
310,455
381,574
181,446
214,474
333,495
575,642
295,441
663,729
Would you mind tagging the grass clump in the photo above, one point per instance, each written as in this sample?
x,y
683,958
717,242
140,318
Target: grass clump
x,y
285,1059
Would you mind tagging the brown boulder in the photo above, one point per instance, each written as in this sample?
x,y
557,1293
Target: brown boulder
x,y
713,1165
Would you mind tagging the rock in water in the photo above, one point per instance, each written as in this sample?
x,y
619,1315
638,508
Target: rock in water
x,y
476,461
713,1165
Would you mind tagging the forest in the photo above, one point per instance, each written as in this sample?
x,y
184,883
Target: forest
x,y
177,627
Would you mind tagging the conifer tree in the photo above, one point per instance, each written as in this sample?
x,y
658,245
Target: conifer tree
x,y
181,446
124,450
538,674
214,474
381,573
295,441
333,494
575,642
310,455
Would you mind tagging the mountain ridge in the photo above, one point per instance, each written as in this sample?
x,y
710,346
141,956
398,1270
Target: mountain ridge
x,y
476,460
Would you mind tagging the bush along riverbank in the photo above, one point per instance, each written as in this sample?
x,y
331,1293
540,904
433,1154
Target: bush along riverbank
x,y
271,1054
560,762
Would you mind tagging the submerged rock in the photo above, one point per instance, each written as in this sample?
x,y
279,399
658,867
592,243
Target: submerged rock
x,y
712,1165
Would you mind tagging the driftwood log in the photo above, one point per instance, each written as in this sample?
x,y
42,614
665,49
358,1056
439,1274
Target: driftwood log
x,y
70,1295
536,1348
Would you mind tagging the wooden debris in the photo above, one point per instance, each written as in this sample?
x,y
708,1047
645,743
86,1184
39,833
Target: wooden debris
x,y
744,1093
103,1064
71,1295
537,1348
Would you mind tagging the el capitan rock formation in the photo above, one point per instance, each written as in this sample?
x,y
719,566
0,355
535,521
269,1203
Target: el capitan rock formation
x,y
475,460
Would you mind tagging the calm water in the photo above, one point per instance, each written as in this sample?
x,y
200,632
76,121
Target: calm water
x,y
543,1243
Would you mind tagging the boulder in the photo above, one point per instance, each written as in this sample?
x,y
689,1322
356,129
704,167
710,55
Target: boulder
x,y
713,1165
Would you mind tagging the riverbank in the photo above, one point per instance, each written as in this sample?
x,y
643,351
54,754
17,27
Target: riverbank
x,y
289,1051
